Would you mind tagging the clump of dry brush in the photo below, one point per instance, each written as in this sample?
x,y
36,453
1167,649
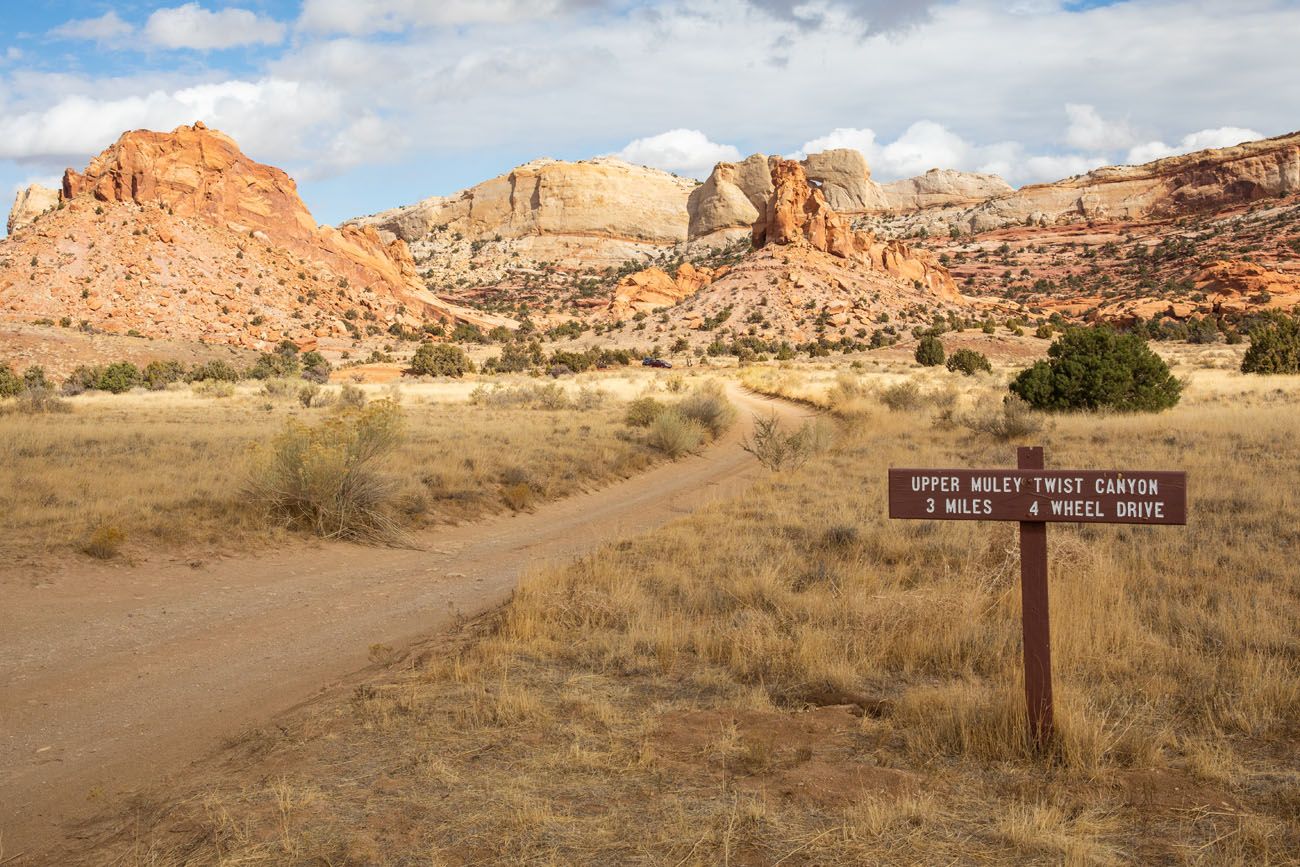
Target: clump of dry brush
x,y
328,478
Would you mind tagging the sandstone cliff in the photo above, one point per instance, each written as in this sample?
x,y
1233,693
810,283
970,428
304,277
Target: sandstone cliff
x,y
845,180
1199,182
180,234
576,215
939,188
31,203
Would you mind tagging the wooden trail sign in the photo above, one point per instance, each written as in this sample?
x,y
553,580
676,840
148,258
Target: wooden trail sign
x,y
1034,496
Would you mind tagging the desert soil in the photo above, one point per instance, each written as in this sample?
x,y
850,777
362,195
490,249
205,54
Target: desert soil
x,y
116,677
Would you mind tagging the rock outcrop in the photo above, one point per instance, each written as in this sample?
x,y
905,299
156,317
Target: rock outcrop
x,y
588,214
1200,182
652,288
844,178
30,203
726,205
942,188
798,214
1233,286
181,235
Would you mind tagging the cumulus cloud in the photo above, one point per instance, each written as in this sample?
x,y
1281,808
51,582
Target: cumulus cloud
x,y
862,140
684,151
1089,131
192,26
362,17
1224,136
271,117
928,145
105,28
476,86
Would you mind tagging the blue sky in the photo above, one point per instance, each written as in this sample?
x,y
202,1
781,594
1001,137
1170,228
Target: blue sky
x,y
375,103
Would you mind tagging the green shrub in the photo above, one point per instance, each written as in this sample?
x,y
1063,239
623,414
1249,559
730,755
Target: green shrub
x,y
214,371
1274,345
708,406
118,377
642,412
10,383
283,362
674,434
440,359
315,368
327,479
929,352
160,374
34,377
1099,368
969,362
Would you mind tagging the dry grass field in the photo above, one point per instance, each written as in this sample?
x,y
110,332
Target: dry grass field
x,y
170,472
791,678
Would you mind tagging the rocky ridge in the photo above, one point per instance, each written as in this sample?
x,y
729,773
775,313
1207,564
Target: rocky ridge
x,y
1194,183
576,216
180,234
811,273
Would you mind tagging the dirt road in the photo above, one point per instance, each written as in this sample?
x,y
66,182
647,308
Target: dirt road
x,y
112,678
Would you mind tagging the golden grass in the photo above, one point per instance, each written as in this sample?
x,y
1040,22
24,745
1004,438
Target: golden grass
x,y
170,470
791,678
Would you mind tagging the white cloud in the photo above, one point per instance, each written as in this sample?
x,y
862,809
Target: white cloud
x,y
861,140
362,17
271,118
685,151
927,145
1088,131
102,29
474,87
192,26
1224,136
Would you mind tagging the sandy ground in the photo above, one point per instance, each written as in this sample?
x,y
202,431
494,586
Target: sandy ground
x,y
118,677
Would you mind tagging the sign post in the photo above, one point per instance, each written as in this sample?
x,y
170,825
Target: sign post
x,y
1034,496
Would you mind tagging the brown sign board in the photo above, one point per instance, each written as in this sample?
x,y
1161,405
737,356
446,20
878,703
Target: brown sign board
x,y
1074,496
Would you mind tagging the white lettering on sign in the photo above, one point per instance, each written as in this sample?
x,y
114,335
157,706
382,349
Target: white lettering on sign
x,y
1077,508
1132,509
1141,487
1057,485
946,484
996,484
967,507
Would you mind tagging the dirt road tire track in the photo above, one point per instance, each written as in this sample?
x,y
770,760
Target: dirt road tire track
x,y
114,678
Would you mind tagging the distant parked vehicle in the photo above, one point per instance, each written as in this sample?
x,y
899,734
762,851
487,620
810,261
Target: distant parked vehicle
x,y
656,362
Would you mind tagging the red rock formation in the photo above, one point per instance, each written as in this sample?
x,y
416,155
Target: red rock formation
x,y
1232,286
797,214
181,235
652,288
